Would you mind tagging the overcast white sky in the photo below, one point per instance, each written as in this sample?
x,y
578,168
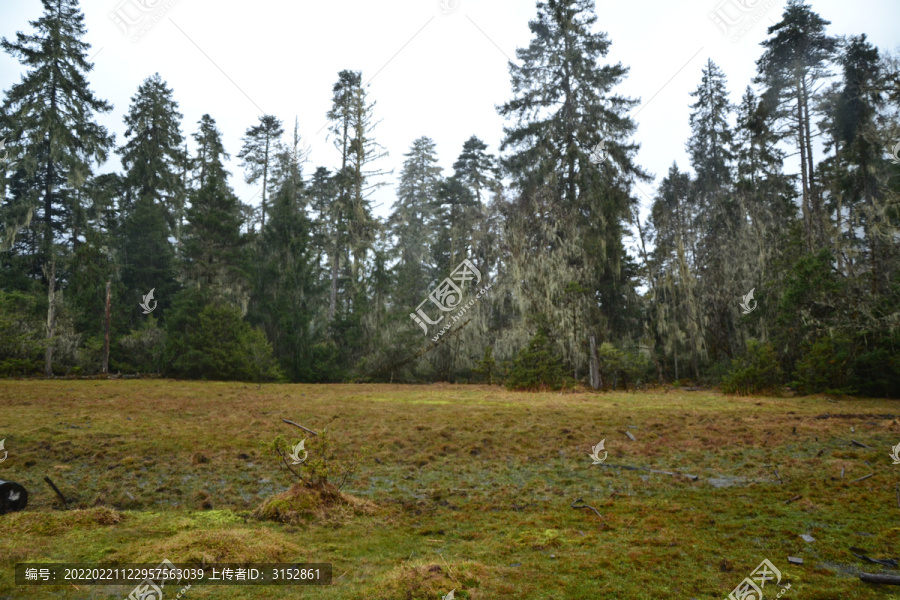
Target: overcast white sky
x,y
435,73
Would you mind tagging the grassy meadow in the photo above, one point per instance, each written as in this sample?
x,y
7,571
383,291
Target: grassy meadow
x,y
458,487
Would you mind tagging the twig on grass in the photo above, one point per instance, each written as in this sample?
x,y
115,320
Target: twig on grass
x,y
860,444
58,493
794,499
300,426
862,478
577,500
898,495
450,570
884,562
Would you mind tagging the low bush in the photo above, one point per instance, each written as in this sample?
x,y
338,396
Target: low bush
x,y
536,367
757,371
825,367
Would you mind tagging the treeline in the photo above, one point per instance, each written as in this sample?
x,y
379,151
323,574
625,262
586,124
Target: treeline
x,y
310,286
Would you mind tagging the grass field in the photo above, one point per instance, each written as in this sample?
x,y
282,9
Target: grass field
x,y
460,487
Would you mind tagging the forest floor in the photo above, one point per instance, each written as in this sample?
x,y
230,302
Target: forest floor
x,y
460,487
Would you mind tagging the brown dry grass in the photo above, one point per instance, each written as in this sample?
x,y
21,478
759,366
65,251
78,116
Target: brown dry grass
x,y
304,503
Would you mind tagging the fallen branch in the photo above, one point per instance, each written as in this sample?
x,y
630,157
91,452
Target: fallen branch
x,y
300,426
862,478
878,578
884,562
630,437
794,499
577,500
58,493
630,468
860,444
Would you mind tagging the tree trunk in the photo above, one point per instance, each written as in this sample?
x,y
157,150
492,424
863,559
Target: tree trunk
x,y
801,143
51,321
182,197
265,181
596,382
676,360
106,332
334,277
815,201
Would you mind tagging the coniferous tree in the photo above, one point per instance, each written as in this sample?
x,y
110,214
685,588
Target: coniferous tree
x,y
322,194
213,244
412,224
795,62
152,157
50,116
341,117
770,232
285,298
568,233
717,215
476,171
675,307
858,163
351,125
260,144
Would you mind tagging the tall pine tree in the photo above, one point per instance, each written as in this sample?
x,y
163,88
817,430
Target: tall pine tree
x,y
260,145
570,224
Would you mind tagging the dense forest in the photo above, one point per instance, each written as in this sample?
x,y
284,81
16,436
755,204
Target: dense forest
x,y
531,266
